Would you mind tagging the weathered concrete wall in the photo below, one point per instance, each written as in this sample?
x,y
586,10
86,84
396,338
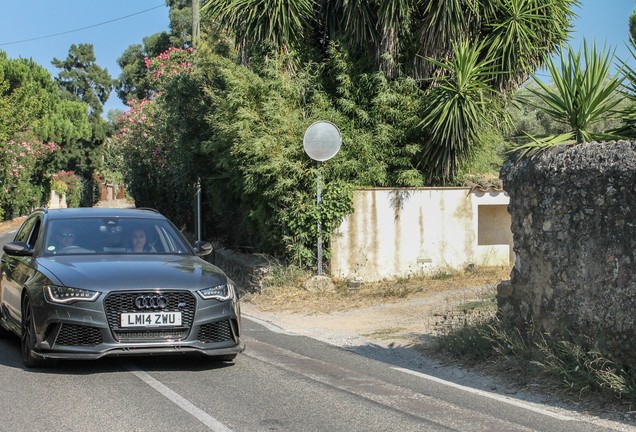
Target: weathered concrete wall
x,y
110,196
403,232
56,201
574,224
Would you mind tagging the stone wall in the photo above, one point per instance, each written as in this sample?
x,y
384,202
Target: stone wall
x,y
573,215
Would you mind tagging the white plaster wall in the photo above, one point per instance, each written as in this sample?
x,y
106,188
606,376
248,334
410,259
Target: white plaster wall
x,y
56,201
402,232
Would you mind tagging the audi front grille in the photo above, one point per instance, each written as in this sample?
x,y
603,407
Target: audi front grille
x,y
177,301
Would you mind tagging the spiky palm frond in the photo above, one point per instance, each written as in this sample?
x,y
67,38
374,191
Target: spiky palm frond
x,y
458,108
628,91
522,34
281,22
582,94
439,24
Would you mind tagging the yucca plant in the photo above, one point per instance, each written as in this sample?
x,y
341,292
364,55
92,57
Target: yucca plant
x,y
281,22
628,90
459,107
582,94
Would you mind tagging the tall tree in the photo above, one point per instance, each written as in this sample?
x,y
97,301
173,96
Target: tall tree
x,y
180,23
410,38
27,93
134,81
81,78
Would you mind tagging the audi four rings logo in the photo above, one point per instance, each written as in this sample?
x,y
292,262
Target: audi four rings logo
x,y
151,302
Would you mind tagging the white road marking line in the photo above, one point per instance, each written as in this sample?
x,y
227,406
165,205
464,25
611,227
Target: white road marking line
x,y
269,326
500,398
205,418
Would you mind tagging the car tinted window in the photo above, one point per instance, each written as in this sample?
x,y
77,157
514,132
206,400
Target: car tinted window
x,y
28,232
114,235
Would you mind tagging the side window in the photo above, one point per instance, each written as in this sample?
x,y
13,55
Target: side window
x,y
26,231
35,233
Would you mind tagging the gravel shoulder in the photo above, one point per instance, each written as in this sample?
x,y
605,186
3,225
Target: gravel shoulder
x,y
404,323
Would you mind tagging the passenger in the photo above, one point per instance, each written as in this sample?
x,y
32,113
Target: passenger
x,y
138,241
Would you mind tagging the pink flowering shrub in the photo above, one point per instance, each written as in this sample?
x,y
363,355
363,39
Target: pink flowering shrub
x,y
22,167
170,63
138,133
142,145
145,137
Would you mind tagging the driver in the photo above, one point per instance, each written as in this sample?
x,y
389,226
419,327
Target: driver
x,y
65,237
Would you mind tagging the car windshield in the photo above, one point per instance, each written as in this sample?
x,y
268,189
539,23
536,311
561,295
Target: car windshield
x,y
112,235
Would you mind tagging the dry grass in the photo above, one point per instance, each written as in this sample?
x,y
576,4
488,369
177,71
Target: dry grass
x,y
292,297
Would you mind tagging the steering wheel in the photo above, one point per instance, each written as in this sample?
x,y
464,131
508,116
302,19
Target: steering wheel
x,y
74,249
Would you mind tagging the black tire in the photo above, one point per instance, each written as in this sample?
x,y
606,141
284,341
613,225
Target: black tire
x,y
28,337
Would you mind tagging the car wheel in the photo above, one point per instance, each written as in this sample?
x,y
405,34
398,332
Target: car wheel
x,y
28,336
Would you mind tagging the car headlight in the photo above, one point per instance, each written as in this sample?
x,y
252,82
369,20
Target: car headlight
x,y
66,295
219,292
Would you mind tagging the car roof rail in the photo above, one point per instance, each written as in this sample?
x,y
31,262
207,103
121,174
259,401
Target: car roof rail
x,y
147,208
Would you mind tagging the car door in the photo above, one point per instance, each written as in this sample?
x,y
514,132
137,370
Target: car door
x,y
17,269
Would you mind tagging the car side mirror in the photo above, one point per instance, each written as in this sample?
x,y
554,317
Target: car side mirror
x,y
17,248
202,248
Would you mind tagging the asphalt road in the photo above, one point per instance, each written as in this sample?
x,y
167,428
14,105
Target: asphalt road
x,y
282,382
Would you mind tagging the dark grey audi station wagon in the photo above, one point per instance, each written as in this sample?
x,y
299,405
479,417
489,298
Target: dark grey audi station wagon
x,y
88,282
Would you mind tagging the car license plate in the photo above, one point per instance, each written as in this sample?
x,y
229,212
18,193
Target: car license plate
x,y
151,319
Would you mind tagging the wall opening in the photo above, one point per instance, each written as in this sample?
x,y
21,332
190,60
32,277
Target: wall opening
x,y
493,225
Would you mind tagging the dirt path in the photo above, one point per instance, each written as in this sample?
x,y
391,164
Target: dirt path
x,y
405,323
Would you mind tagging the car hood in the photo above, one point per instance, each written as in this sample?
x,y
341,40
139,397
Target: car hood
x,y
123,272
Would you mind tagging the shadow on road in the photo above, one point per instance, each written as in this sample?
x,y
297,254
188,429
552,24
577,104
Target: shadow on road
x,y
11,357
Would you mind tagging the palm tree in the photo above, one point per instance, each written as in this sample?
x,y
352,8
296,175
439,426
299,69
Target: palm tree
x,y
583,93
417,39
278,22
457,110
628,90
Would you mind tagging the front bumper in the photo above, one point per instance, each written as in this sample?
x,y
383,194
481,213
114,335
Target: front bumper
x,y
90,330
137,351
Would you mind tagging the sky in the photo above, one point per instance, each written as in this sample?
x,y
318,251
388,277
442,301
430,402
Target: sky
x,y
43,30
40,19
606,22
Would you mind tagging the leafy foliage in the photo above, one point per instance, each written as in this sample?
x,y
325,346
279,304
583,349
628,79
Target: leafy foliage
x,y
417,90
27,94
67,183
134,81
23,173
28,102
456,112
583,94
